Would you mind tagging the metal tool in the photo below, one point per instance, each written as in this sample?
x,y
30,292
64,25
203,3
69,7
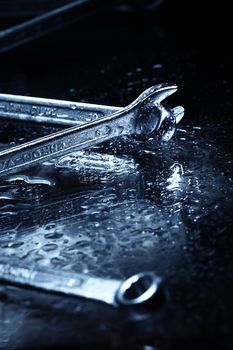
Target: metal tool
x,y
24,8
60,17
136,290
141,118
52,112
51,21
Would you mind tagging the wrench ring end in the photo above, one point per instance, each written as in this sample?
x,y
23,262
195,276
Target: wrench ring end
x,y
138,289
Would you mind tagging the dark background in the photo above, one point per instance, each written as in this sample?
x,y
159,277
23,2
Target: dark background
x,y
109,59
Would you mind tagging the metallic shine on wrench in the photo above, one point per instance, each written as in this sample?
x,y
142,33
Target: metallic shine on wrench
x,y
136,290
52,112
141,118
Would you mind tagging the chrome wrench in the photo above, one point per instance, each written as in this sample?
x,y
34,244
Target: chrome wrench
x,y
141,118
52,112
136,290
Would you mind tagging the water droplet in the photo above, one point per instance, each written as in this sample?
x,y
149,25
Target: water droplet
x,y
49,247
53,235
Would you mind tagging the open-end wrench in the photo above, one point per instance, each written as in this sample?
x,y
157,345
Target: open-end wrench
x,y
51,112
141,118
136,290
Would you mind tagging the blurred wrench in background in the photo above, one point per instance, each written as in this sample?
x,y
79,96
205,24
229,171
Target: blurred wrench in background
x,y
25,8
58,18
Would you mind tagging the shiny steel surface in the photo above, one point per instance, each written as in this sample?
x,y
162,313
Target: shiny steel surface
x,y
141,118
138,289
49,111
172,214
54,112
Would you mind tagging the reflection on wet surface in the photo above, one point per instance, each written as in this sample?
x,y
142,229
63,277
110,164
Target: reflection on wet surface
x,y
134,204
117,212
139,206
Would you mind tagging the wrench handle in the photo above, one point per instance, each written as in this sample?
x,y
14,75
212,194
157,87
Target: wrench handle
x,y
63,142
138,289
51,112
66,283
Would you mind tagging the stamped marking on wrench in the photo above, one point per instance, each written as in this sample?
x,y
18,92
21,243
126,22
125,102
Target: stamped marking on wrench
x,y
54,112
141,118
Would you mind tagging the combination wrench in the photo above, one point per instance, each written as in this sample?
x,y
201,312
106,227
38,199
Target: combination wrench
x,y
50,111
53,112
141,118
139,289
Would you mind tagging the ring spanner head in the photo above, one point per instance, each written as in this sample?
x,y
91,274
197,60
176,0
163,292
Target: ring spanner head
x,y
139,289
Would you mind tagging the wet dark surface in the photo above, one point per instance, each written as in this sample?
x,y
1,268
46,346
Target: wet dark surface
x,y
166,208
